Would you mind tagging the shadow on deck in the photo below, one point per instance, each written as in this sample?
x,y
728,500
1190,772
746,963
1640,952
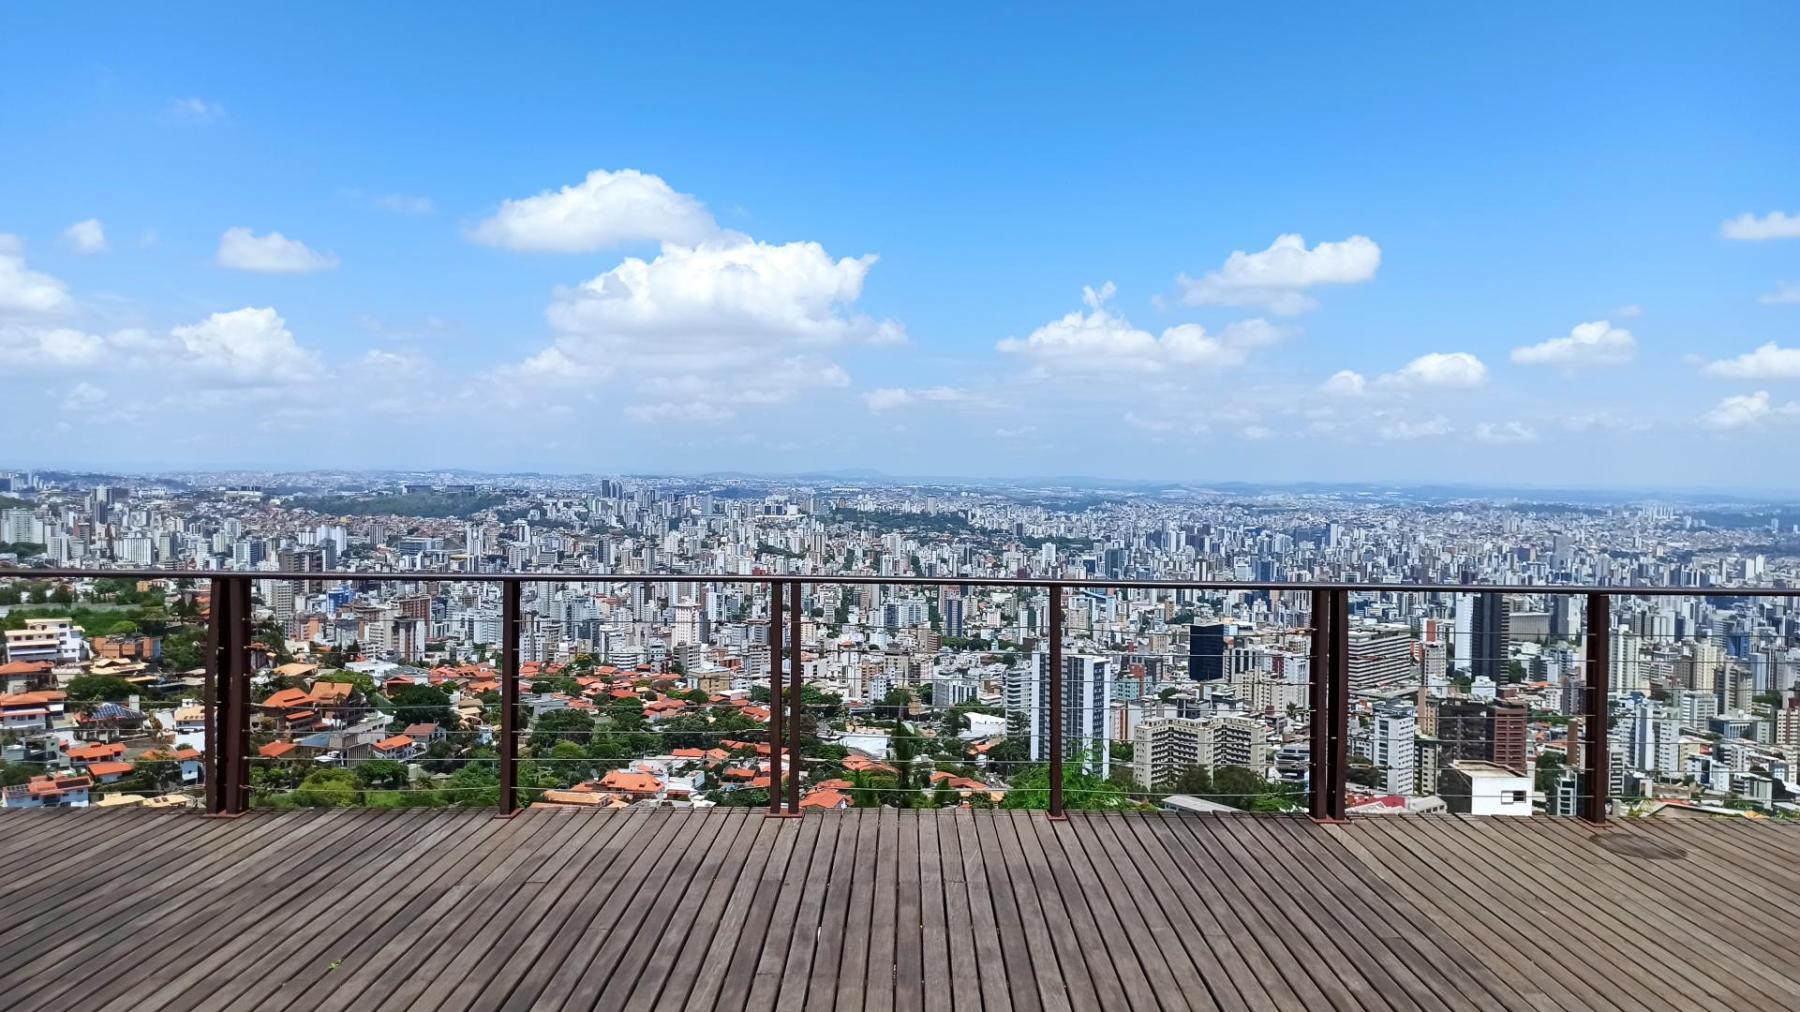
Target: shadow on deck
x,y
663,909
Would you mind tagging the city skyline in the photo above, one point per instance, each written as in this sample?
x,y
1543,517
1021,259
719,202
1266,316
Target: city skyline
x,y
1549,266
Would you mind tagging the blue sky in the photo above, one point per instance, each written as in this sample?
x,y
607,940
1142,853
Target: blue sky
x,y
590,239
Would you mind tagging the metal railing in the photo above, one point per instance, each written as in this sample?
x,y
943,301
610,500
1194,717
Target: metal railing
x,y
228,706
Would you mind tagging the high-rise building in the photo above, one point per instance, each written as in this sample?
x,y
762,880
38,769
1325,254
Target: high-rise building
x,y
1206,650
1392,747
1087,688
1163,748
1488,732
1381,656
1490,635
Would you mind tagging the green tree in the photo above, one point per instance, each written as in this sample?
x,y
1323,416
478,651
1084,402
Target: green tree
x,y
561,725
327,788
384,774
1030,788
97,687
421,704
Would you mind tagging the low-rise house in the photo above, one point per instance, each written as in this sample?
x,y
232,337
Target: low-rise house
x,y
54,791
399,747
25,712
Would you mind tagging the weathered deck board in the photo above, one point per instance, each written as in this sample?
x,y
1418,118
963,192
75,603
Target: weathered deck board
x,y
722,908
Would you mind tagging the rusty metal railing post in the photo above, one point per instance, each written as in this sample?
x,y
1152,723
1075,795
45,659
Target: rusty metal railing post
x,y
1598,762
1318,772
795,673
1338,668
216,665
227,691
775,715
510,592
1053,671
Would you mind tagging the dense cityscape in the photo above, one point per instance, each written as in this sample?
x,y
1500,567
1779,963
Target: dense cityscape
x,y
381,688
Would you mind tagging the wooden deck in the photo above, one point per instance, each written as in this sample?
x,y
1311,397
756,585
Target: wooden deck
x,y
661,909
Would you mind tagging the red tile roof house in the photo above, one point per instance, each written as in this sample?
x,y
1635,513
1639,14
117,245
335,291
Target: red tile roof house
x,y
31,711
426,734
398,747
60,791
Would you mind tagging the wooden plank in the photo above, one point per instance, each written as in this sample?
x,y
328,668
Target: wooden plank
x,y
855,832
992,972
196,911
1368,972
853,966
513,937
1447,892
959,919
734,989
1503,880
909,942
1260,946
933,931
363,970
81,887
1447,965
1077,978
807,928
303,931
577,950
1173,960
778,937
1035,979
719,916
680,922
1118,978
748,909
878,985
1654,909
420,970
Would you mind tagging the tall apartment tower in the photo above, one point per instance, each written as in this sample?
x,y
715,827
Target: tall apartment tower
x,y
1489,635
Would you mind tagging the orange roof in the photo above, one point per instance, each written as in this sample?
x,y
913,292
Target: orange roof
x,y
109,769
836,784
689,753
286,699
161,755
25,668
33,698
633,783
331,692
393,744
97,751
825,798
276,749
41,786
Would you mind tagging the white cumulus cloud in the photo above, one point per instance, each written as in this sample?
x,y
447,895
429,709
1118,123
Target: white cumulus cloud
x,y
891,398
1278,276
1769,362
249,347
1455,369
1406,430
240,249
1347,383
605,209
87,236
1101,341
1505,433
1597,343
1746,411
24,291
1774,225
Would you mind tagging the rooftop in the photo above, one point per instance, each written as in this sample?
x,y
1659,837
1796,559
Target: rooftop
x,y
713,908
